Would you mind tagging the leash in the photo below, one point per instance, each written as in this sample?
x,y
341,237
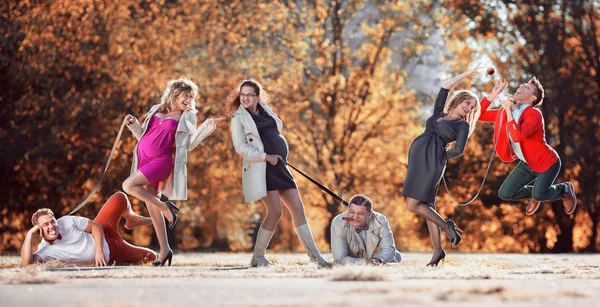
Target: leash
x,y
320,185
484,176
97,186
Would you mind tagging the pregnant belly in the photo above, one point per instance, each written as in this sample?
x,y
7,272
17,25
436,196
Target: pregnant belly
x,y
154,148
276,145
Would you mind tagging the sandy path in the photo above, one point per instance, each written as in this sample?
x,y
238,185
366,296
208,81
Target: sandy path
x,y
223,279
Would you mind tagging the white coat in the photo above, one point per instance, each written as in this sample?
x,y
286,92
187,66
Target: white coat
x,y
187,137
247,143
348,247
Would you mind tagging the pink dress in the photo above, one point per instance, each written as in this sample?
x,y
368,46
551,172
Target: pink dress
x,y
155,149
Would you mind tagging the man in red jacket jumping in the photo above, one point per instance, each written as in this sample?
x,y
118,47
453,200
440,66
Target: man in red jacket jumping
x,y
519,134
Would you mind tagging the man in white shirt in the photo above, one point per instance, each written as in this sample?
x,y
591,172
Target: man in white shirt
x,y
362,236
74,239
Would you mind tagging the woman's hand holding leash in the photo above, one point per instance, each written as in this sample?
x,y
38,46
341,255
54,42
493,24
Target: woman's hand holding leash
x,y
273,159
129,119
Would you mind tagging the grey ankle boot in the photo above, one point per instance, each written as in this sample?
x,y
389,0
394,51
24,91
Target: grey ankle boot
x,y
262,242
310,246
398,256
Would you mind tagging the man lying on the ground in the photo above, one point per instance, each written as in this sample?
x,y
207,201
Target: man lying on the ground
x,y
75,239
362,236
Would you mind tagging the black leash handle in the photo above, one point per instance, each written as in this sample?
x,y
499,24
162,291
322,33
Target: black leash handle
x,y
320,185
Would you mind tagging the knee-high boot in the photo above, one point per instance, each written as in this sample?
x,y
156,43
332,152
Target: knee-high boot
x,y
262,242
309,244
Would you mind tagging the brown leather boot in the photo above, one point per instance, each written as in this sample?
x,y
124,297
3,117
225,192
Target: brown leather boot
x,y
570,200
532,207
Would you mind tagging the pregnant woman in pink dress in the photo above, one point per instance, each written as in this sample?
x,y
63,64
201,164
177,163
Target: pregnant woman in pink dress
x,y
159,160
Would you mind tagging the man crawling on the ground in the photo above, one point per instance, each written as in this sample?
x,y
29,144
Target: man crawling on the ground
x,y
362,236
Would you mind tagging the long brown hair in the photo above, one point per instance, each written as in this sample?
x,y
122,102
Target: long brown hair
x,y
457,99
233,99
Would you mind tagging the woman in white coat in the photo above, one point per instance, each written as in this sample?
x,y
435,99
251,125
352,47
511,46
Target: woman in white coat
x,y
256,134
172,123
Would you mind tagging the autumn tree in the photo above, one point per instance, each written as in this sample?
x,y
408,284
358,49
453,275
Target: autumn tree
x,y
558,42
348,78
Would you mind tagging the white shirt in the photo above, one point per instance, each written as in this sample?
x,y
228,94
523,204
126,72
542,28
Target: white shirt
x,y
75,246
516,113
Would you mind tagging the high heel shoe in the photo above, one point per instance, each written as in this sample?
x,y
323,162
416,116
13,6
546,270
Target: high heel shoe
x,y
163,198
172,208
175,208
162,263
456,232
435,262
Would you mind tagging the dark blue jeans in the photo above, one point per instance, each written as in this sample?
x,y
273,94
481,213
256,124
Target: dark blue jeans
x,y
518,185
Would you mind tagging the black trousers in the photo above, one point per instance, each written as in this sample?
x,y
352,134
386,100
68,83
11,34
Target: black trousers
x,y
518,185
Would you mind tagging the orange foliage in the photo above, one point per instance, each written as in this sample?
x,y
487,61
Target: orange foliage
x,y
339,76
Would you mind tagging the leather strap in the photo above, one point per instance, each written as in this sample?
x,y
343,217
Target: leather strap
x,y
110,156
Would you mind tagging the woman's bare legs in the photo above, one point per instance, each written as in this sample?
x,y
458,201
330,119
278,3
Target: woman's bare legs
x,y
293,202
291,199
134,220
158,222
274,210
265,233
136,185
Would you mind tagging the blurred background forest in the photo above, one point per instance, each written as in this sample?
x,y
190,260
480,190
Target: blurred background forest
x,y
353,82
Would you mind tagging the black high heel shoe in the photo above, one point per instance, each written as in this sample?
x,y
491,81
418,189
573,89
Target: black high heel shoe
x,y
456,231
173,209
435,262
162,263
163,198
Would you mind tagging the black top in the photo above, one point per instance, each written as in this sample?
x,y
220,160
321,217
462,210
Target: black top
x,y
427,155
278,176
449,130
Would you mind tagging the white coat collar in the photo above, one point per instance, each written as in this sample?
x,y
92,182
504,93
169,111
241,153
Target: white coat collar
x,y
247,121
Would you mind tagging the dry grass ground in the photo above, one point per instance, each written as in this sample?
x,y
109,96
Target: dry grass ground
x,y
225,279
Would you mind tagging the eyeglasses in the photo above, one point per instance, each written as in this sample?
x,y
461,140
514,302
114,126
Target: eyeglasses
x,y
248,95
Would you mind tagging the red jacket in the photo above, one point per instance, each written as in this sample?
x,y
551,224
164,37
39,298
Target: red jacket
x,y
529,133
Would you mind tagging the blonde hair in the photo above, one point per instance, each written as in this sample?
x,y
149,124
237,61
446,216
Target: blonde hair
x,y
174,89
40,212
458,98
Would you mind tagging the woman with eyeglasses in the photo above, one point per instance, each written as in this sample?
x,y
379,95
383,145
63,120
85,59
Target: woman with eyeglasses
x,y
256,134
